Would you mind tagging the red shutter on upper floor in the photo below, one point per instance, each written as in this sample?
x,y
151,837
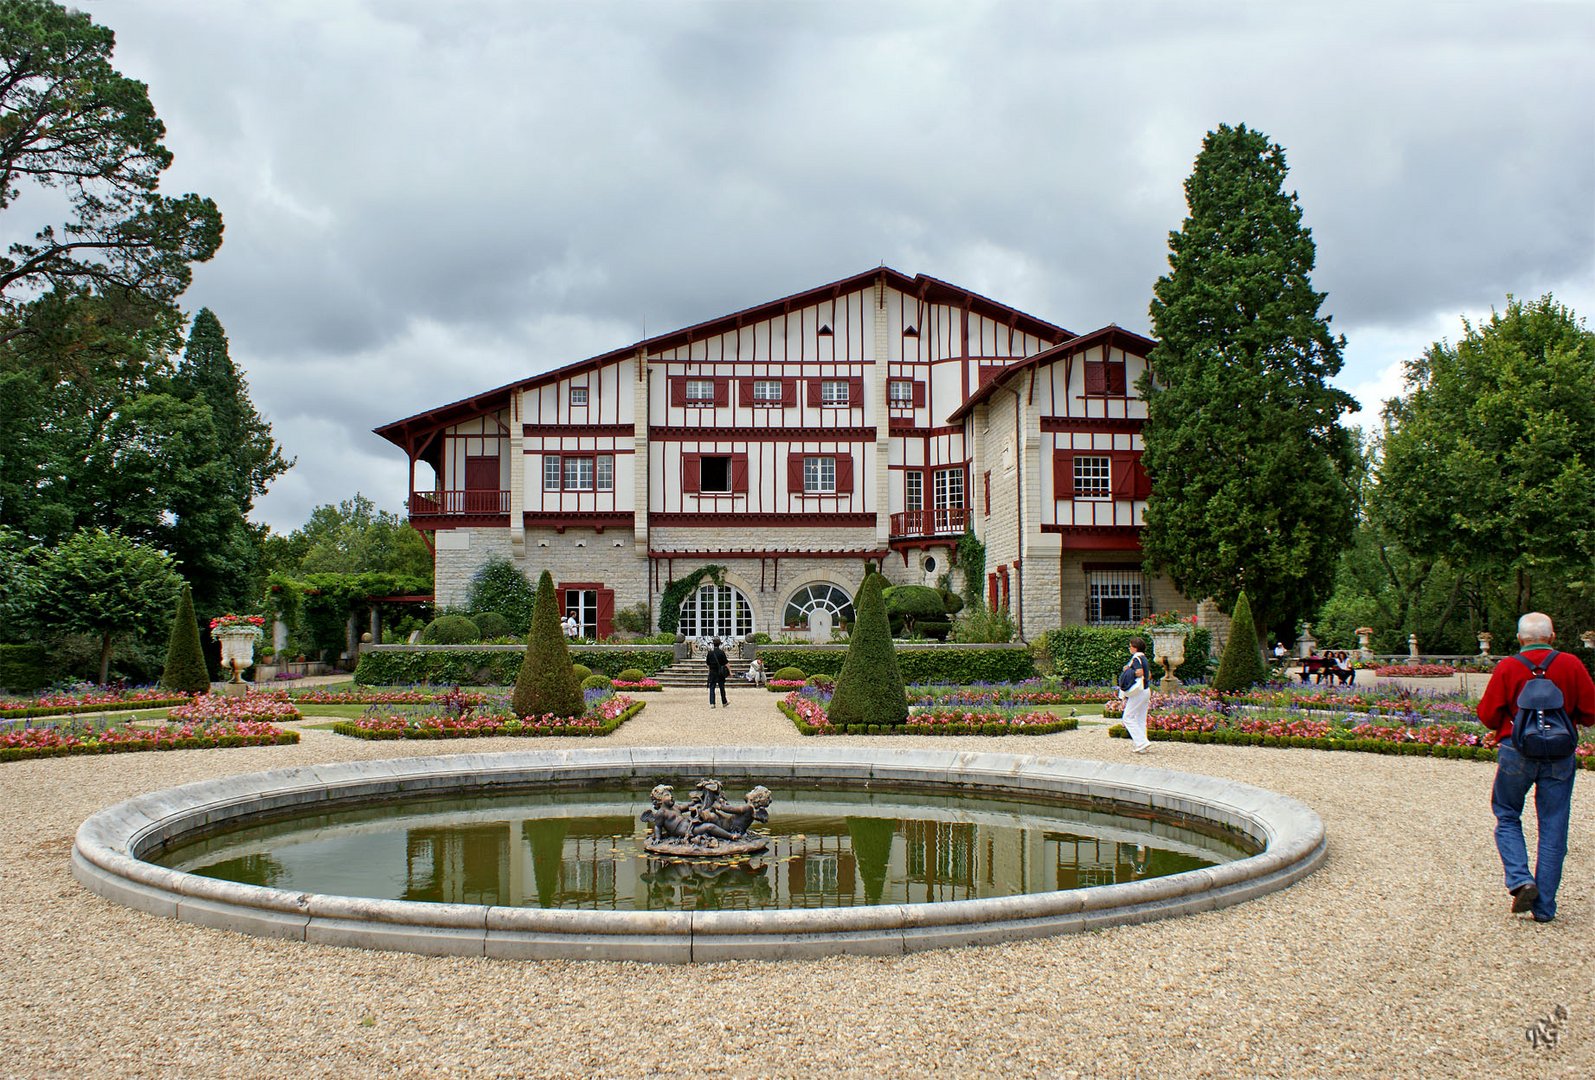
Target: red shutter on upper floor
x,y
987,503
794,474
991,591
481,474
855,392
844,474
919,394
722,392
1123,476
691,469
744,391
814,391
739,474
788,392
1143,482
678,390
1063,474
1096,377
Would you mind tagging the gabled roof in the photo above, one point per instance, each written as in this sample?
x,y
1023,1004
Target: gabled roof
x,y
1112,335
400,432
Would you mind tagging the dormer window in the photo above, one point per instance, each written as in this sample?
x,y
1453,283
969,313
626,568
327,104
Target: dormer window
x,y
578,395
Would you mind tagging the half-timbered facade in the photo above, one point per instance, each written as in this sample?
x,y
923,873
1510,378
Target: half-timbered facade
x,y
872,419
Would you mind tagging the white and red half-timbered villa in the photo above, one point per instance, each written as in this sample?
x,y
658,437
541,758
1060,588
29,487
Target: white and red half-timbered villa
x,y
871,419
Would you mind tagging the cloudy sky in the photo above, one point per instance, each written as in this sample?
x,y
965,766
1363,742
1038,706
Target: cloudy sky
x,y
424,200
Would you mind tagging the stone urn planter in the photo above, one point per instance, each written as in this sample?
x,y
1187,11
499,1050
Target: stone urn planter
x,y
237,635
1168,646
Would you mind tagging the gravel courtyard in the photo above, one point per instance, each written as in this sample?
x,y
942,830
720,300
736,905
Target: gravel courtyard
x,y
1397,958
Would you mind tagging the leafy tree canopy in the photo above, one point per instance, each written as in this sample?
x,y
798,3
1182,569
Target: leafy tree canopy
x,y
353,537
71,122
103,583
1249,463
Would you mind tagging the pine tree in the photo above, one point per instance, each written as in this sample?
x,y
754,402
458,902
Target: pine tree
x,y
1251,469
547,680
1241,667
870,689
185,669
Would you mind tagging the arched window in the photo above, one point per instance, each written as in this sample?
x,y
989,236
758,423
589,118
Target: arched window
x,y
716,611
833,598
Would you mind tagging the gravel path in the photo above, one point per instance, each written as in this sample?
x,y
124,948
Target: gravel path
x,y
1397,958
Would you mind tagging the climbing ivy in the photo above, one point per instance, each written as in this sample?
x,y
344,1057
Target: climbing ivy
x,y
972,558
676,593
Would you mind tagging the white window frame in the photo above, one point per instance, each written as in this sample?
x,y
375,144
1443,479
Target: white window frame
x,y
1093,477
834,392
819,474
604,472
700,390
553,473
767,391
578,395
949,488
900,392
913,490
578,473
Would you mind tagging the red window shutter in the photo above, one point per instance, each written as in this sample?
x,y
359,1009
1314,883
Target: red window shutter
x,y
794,473
814,391
739,473
722,392
481,474
1143,482
1116,378
919,394
788,392
988,492
991,591
691,468
844,474
744,391
1123,466
678,391
1096,377
1063,474
606,612
855,393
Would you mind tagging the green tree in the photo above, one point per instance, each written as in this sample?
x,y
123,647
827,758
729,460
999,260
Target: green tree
x,y
354,537
547,680
71,122
1250,467
103,583
1489,455
499,586
870,688
1241,666
19,576
185,669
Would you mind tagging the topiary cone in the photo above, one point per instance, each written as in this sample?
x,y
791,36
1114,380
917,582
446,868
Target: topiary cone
x,y
870,688
185,670
1241,666
547,680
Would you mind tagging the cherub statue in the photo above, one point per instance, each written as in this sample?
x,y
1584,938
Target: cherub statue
x,y
728,822
668,822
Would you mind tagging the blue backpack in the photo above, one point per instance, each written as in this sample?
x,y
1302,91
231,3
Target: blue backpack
x,y
1542,730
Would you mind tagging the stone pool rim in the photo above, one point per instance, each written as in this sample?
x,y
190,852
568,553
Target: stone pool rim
x,y
107,856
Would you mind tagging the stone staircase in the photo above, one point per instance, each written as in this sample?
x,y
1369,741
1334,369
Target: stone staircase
x,y
694,673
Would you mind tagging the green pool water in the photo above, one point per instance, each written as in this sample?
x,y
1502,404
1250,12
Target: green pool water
x,y
582,849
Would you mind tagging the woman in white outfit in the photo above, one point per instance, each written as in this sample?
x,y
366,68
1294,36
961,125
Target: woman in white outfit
x,y
1137,695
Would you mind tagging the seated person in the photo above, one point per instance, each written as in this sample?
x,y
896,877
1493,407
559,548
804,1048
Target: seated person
x,y
1343,669
755,672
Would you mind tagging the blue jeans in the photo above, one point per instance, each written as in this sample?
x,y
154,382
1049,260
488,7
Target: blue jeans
x,y
1552,782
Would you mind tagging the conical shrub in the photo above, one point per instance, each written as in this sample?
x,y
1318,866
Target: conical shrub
x,y
547,681
1241,666
185,671
870,688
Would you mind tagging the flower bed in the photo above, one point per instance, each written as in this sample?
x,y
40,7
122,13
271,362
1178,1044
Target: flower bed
x,y
379,696
92,701
62,742
1009,695
221,708
601,718
644,686
784,686
807,711
1409,705
1415,671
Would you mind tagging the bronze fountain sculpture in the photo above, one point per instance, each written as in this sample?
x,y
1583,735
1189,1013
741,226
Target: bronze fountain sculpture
x,y
709,826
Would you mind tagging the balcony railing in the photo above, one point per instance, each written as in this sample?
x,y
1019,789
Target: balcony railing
x,y
946,521
425,504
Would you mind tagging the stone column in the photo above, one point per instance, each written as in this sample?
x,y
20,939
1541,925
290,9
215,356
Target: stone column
x,y
1365,642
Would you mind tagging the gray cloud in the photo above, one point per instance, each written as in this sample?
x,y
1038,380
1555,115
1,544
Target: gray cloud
x,y
426,200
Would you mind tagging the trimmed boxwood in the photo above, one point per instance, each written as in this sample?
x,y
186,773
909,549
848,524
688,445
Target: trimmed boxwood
x,y
946,664
347,727
489,665
583,672
790,674
185,670
870,688
1093,655
546,683
597,682
631,674
1065,723
27,753
450,630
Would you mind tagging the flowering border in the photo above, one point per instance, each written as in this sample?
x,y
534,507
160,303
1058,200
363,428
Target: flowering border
x,y
163,699
808,716
47,742
597,722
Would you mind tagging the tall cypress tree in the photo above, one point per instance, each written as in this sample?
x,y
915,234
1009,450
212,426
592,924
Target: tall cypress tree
x,y
547,680
185,668
870,688
1250,467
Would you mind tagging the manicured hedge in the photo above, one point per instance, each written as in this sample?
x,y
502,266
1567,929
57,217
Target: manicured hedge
x,y
1095,654
24,668
32,712
27,753
919,664
509,728
490,665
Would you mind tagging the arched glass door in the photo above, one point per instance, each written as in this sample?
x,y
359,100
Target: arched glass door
x,y
716,611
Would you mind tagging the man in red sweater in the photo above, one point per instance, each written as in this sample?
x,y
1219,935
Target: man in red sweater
x,y
1516,774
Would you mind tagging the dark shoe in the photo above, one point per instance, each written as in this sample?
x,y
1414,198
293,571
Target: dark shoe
x,y
1544,918
1523,898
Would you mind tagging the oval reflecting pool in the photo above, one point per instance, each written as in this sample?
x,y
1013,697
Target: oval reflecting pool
x,y
582,850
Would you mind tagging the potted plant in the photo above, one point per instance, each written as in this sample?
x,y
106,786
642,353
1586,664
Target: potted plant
x,y
237,635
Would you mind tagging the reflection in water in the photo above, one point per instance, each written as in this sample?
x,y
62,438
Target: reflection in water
x,y
583,850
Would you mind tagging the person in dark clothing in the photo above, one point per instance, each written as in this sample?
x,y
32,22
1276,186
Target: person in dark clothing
x,y
719,668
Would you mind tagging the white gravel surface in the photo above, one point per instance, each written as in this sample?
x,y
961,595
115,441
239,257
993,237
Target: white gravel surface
x,y
1397,958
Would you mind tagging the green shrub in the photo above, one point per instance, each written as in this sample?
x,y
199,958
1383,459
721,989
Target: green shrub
x,y
761,638
1095,654
451,630
1241,667
631,674
906,605
928,664
984,626
597,682
870,687
499,587
952,603
790,674
490,624
820,680
489,667
583,672
633,619
547,680
25,668
185,670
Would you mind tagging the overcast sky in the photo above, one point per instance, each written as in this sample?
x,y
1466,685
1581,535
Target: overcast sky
x,y
424,200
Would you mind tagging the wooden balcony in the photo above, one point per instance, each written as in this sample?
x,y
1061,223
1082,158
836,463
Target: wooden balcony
x,y
430,505
947,521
